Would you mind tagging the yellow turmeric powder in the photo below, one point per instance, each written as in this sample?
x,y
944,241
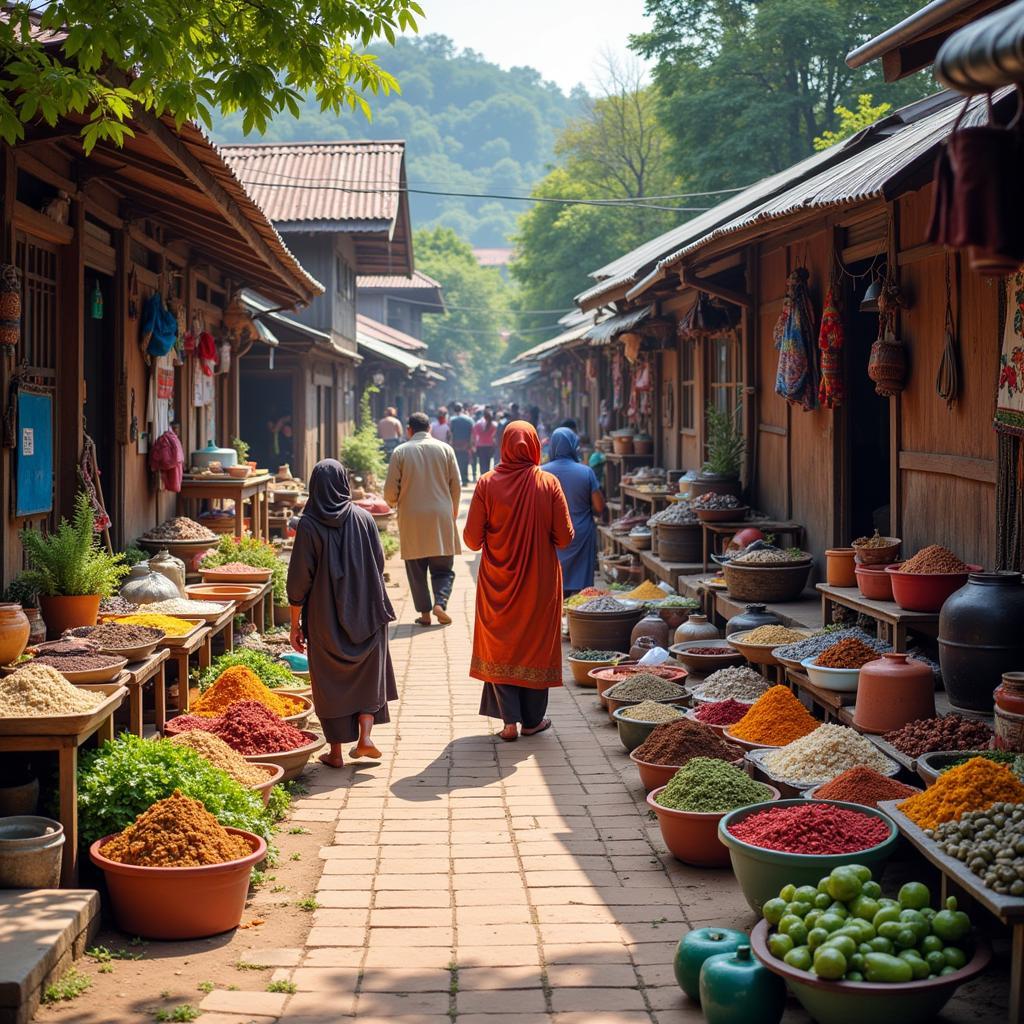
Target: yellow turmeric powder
x,y
240,683
971,786
168,623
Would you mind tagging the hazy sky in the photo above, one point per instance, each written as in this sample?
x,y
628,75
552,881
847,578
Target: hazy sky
x,y
563,39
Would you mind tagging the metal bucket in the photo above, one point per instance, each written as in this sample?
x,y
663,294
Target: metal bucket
x,y
30,852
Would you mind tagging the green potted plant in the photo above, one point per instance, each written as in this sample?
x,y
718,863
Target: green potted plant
x,y
726,447
70,571
242,450
362,453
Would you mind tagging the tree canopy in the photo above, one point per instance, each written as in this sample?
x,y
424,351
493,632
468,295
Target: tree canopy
x,y
190,59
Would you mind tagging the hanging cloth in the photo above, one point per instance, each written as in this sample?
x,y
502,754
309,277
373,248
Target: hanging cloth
x,y
86,464
796,379
830,343
159,326
168,459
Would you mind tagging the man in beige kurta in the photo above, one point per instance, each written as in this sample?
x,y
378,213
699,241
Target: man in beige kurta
x,y
424,485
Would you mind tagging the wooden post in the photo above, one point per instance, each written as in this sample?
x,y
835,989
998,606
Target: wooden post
x,y
70,366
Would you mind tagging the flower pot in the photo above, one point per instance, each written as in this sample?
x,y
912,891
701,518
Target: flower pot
x,y
839,567
179,903
30,852
892,691
63,613
874,582
14,632
274,774
715,483
692,836
282,614
927,592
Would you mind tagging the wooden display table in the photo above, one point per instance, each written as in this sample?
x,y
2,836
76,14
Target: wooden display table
x,y
1008,909
656,499
180,654
893,621
255,607
254,489
712,531
138,674
615,467
667,572
828,702
224,625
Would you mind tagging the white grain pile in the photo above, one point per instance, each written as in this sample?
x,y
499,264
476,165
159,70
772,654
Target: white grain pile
x,y
39,691
825,753
742,684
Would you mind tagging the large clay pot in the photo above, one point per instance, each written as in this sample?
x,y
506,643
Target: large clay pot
x,y
839,567
36,626
713,483
63,613
652,626
751,617
696,627
1009,712
892,691
14,630
980,637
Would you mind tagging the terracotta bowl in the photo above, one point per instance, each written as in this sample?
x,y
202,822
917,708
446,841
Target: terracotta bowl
x,y
654,775
747,744
222,591
874,582
758,654
274,773
606,678
879,555
720,729
705,664
292,761
926,592
722,515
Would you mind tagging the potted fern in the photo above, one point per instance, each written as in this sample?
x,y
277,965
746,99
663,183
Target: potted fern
x,y
726,447
362,453
70,571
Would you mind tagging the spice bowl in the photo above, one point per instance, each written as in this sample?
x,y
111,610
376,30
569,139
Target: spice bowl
x,y
300,718
842,680
747,744
606,678
853,1002
655,776
633,732
274,773
106,674
292,762
758,654
705,664
614,705
691,714
581,669
736,514
692,836
931,765
796,787
874,582
761,873
812,793
880,555
926,592
179,902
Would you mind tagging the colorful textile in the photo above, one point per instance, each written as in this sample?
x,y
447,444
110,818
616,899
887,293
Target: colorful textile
x,y
518,518
159,326
830,343
796,379
1010,395
168,459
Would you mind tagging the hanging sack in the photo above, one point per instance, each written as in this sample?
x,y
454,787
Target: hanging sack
x,y
10,305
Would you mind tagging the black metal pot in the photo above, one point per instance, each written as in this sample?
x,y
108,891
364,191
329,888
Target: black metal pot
x,y
751,617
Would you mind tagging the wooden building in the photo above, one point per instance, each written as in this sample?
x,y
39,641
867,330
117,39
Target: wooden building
x,y
92,238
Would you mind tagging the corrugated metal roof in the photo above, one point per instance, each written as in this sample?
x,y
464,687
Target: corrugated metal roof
x,y
300,182
607,330
391,335
391,353
520,376
548,348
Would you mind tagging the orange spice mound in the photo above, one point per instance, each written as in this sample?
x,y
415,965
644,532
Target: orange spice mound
x,y
777,718
177,832
241,683
972,786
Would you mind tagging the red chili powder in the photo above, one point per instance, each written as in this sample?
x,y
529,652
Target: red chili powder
x,y
722,712
252,728
710,650
811,828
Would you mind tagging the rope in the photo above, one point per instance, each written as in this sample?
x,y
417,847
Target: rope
x,y
947,380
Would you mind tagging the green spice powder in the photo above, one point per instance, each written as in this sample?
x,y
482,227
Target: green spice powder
x,y
707,785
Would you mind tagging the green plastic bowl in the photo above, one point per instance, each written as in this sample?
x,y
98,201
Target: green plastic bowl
x,y
632,732
853,1002
762,873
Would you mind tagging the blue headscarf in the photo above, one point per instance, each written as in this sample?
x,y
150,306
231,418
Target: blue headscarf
x,y
564,444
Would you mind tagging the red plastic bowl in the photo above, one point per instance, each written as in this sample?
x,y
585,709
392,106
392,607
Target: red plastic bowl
x,y
874,582
926,592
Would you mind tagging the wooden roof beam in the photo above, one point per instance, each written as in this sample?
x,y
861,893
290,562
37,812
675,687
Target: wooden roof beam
x,y
719,291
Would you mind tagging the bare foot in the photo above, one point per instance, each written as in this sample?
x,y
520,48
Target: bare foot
x,y
365,750
332,762
545,724
424,619
442,616
509,734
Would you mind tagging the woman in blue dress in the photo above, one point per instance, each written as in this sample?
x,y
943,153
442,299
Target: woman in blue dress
x,y
584,497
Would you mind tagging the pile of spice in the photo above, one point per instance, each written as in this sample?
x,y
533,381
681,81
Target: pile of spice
x,y
821,755
37,691
861,785
117,635
184,606
707,785
770,556
272,642
583,596
603,606
117,606
874,541
814,645
675,743
742,684
247,726
712,501
177,832
238,567
180,528
218,753
675,601
932,560
240,683
974,786
170,625
722,712
650,711
990,843
1007,757
811,828
589,654
774,635
710,652
644,686
678,514
777,718
848,653
946,732
77,661
646,591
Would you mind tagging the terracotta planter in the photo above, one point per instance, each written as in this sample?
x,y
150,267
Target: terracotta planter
x,y
839,567
274,775
606,678
179,903
63,613
926,592
874,582
696,627
893,691
14,631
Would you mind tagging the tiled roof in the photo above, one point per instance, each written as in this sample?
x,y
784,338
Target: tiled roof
x,y
391,335
298,182
394,282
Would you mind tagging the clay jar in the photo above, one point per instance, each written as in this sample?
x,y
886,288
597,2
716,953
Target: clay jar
x,y
653,626
751,617
696,627
642,646
839,567
1009,712
14,630
892,691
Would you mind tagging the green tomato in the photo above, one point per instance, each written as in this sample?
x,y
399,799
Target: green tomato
x,y
787,892
917,965
843,943
950,924
885,915
773,910
816,936
779,945
915,922
862,871
799,957
860,929
884,901
880,944
798,933
864,948
882,967
906,939
889,929
829,921
872,890
823,885
799,908
947,970
935,961
844,883
928,913
854,976
822,900
955,958
805,893
829,963
788,920
812,918
914,895
838,907
855,962
931,944
864,907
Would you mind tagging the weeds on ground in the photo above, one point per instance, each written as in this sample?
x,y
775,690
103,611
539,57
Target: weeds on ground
x,y
102,955
298,830
308,903
206,987
70,986
283,986
245,965
182,1013
296,856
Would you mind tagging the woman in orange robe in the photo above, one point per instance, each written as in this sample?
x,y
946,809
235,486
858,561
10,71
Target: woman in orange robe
x,y
518,518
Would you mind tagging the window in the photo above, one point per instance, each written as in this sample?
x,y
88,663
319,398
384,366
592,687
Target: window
x,y
723,374
38,263
345,279
687,387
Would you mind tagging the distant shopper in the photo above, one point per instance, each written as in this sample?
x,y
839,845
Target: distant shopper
x,y
440,429
485,432
423,484
503,422
461,440
389,430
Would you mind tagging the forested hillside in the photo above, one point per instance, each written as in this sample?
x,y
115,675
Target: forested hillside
x,y
470,127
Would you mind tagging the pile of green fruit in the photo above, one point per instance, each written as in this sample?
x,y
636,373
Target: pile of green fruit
x,y
846,930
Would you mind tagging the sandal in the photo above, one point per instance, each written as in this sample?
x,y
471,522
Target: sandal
x,y
508,739
543,727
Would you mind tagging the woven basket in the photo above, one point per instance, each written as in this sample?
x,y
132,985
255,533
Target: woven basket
x,y
766,583
879,556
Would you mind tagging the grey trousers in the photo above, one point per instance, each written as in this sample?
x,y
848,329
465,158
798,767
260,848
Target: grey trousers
x,y
442,576
514,704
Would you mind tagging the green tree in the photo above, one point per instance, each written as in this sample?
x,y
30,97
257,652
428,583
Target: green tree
x,y
189,59
748,86
852,121
471,336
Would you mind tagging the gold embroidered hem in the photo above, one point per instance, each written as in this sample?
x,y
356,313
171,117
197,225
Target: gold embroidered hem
x,y
493,672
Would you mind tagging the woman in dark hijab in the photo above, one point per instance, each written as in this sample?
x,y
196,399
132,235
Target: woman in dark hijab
x,y
340,614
